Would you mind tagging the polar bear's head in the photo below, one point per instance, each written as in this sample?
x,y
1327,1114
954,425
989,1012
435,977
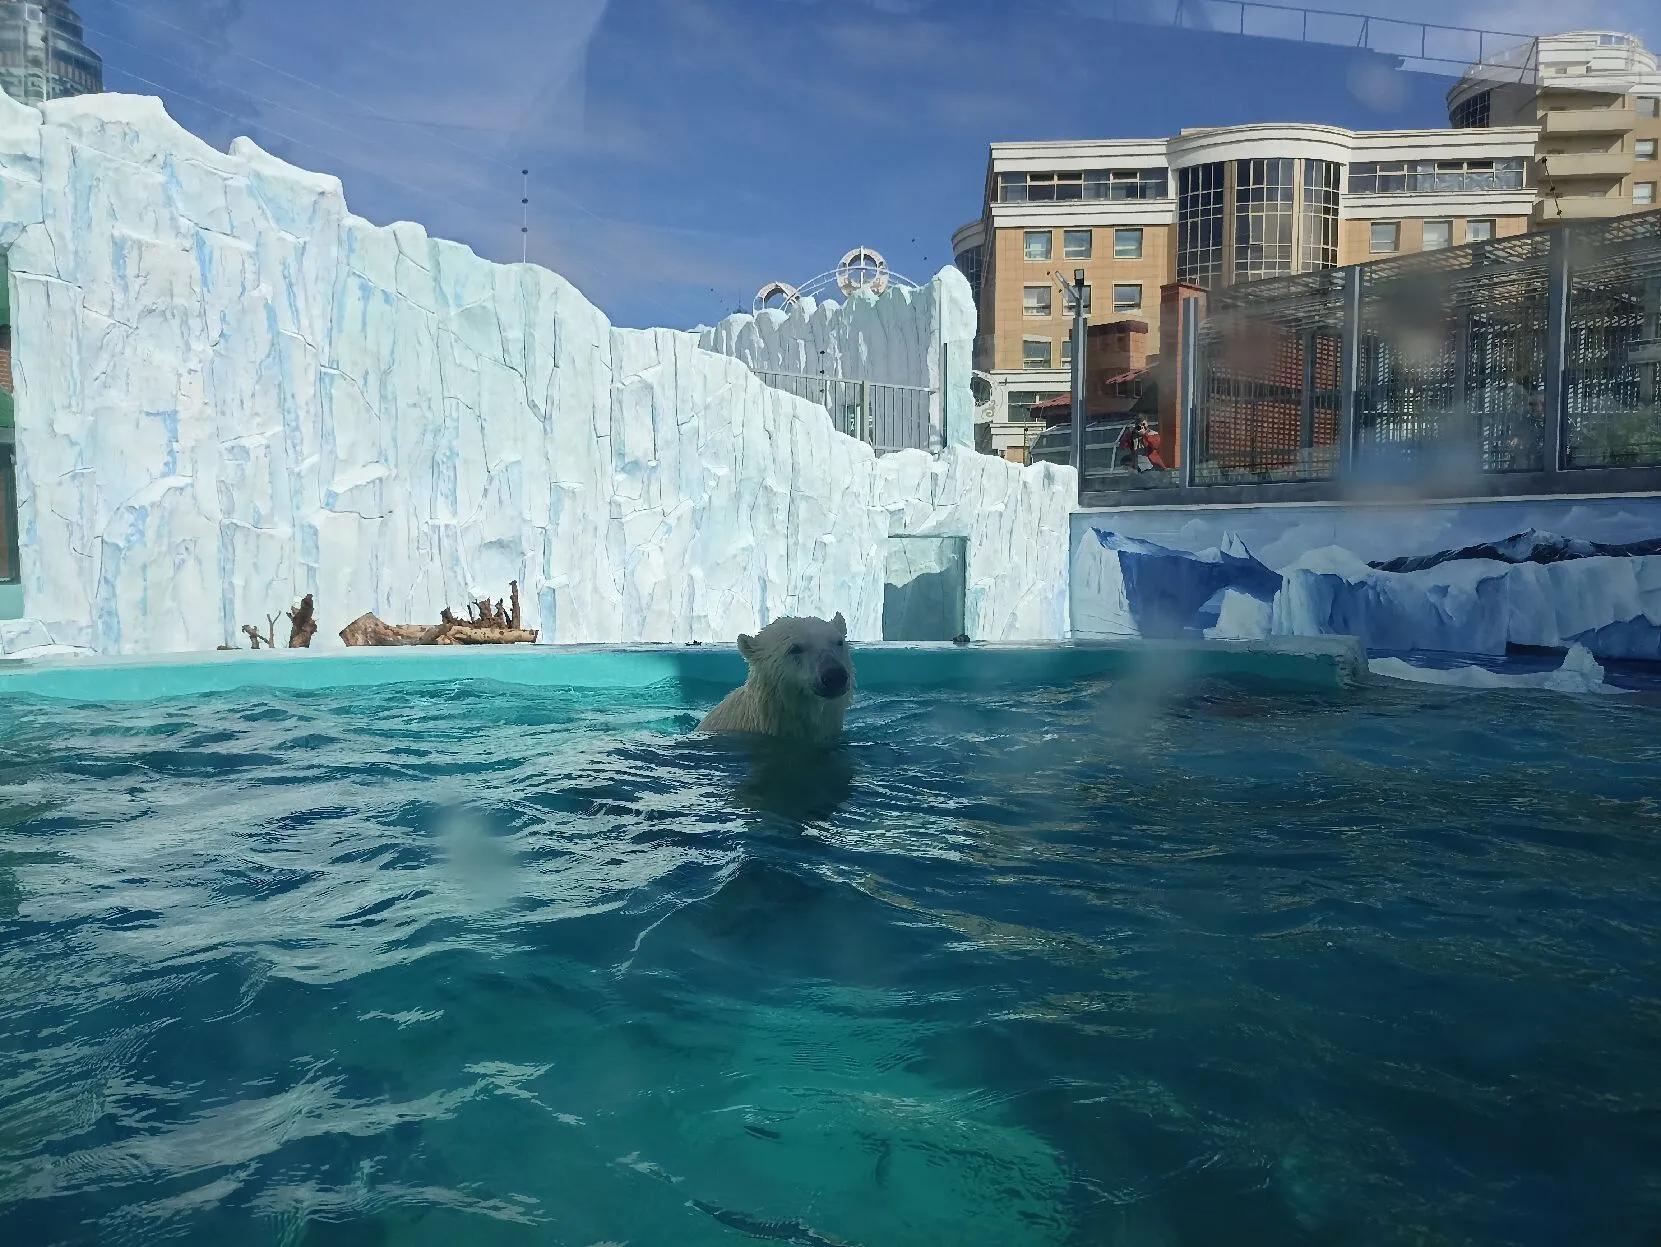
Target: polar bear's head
x,y
804,660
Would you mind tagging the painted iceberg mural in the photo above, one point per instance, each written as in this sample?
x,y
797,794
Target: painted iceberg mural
x,y
231,392
1579,674
1126,586
1301,571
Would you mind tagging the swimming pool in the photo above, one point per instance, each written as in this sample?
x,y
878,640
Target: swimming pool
x,y
1101,962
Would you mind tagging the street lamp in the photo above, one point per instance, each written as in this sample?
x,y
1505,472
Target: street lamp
x,y
1075,292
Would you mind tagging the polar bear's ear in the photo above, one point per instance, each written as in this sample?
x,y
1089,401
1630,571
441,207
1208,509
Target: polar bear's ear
x,y
747,646
841,624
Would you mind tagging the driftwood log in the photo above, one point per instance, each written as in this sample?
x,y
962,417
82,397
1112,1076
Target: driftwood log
x,y
269,640
486,624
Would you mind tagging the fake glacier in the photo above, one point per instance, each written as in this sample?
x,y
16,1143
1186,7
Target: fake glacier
x,y
231,392
863,340
1529,590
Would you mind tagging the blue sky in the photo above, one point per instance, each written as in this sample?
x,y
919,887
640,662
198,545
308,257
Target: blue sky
x,y
684,152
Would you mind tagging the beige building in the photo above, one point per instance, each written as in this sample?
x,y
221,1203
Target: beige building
x,y
1212,207
1593,99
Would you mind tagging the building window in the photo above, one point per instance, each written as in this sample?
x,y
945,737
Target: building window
x,y
970,262
1076,244
1386,238
1474,113
1127,297
1263,199
1126,184
1075,184
1035,353
1644,149
1319,244
1067,302
1438,235
1398,177
1036,244
1066,352
1127,244
1643,193
1649,105
1021,403
1035,301
1200,224
1478,231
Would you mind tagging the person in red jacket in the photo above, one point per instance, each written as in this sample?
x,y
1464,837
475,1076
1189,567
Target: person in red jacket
x,y
1140,445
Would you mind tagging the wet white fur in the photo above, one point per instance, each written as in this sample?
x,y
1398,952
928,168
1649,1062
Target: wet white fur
x,y
778,698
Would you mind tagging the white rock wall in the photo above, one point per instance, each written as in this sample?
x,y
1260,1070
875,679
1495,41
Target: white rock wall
x,y
231,391
923,338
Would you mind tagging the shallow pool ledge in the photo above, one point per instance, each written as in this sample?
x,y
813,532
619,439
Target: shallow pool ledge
x,y
1292,662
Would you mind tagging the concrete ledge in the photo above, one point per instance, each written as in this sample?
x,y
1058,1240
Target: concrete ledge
x,y
1292,662
1575,483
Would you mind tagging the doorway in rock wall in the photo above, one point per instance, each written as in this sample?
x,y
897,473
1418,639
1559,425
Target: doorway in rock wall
x,y
925,585
11,586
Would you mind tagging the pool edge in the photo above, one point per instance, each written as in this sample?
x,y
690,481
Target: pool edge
x,y
1328,662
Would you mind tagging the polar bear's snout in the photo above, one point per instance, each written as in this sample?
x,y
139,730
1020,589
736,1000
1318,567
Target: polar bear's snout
x,y
832,680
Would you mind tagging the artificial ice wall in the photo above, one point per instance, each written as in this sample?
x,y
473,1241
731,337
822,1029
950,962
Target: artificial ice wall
x,y
1474,578
929,344
231,392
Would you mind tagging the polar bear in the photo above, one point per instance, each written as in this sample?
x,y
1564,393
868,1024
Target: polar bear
x,y
801,683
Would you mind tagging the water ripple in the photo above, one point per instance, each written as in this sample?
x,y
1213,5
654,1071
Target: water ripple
x,y
1083,965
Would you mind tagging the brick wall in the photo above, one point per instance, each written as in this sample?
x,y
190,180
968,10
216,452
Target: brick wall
x,y
1254,404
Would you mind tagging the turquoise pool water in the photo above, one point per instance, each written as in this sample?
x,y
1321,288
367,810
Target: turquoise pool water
x,y
1112,962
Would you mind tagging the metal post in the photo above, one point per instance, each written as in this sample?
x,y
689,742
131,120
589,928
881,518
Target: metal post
x,y
1649,374
1076,453
1188,390
1306,412
865,432
1462,378
1557,336
1350,372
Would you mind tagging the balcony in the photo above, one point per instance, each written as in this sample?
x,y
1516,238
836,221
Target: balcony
x,y
1581,165
1589,121
1549,210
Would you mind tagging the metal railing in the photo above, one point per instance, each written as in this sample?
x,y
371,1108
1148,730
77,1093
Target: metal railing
x,y
1534,354
886,417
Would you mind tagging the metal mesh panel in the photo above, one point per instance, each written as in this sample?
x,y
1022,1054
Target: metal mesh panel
x,y
1611,374
1269,384
899,418
896,416
1451,361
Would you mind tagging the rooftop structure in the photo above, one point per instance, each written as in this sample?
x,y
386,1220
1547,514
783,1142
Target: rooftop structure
x,y
43,52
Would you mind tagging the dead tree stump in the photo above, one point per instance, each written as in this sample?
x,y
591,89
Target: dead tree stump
x,y
302,625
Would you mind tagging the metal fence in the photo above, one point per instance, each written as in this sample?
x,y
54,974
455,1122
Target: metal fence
x,y
9,567
1537,353
887,417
